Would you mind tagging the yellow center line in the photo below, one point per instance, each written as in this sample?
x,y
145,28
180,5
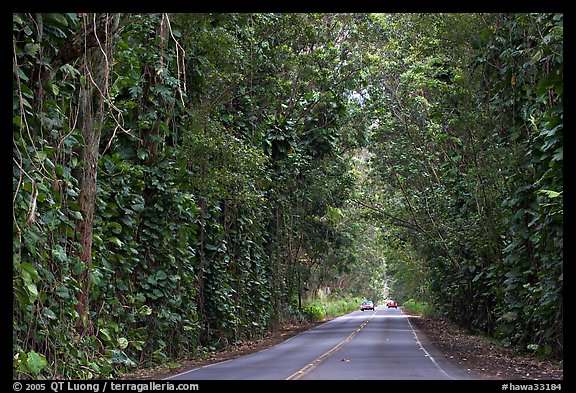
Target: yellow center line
x,y
319,360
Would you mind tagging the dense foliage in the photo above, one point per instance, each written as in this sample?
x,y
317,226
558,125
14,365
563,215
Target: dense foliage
x,y
468,154
182,181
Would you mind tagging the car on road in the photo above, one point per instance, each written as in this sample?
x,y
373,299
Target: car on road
x,y
367,305
392,303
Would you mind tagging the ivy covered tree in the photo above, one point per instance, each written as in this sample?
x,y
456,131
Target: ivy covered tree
x,y
524,68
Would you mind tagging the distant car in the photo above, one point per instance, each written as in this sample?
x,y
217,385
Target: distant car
x,y
392,303
367,305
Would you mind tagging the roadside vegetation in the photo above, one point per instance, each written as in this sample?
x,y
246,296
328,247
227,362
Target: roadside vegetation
x,y
421,308
317,310
187,182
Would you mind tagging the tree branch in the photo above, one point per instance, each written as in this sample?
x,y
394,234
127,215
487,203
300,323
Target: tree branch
x,y
395,220
75,47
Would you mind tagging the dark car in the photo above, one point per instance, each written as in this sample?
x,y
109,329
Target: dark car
x,y
392,303
367,305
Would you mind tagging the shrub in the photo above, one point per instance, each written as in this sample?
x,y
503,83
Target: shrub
x,y
314,312
424,308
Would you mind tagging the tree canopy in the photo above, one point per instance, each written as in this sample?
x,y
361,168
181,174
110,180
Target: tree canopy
x,y
181,182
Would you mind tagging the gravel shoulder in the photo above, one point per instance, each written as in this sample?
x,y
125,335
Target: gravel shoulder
x,y
483,356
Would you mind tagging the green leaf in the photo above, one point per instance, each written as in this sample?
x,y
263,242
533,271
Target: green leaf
x,y
161,275
145,310
62,292
16,18
142,154
49,313
32,291
60,19
138,344
117,242
211,247
559,156
138,207
78,268
115,227
122,342
105,334
59,254
35,362
52,87
119,357
31,49
96,277
24,77
31,270
22,296
76,214
550,193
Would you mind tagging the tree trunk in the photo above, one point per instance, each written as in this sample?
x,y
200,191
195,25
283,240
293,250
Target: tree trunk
x,y
201,297
97,62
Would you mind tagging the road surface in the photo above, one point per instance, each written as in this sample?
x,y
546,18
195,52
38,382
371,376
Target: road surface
x,y
362,345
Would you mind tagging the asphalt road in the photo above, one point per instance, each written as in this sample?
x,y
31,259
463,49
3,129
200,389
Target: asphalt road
x,y
362,345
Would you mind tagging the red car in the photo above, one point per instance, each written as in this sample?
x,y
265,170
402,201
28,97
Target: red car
x,y
392,303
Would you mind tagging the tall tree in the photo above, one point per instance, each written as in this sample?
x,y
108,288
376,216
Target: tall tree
x,y
94,43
